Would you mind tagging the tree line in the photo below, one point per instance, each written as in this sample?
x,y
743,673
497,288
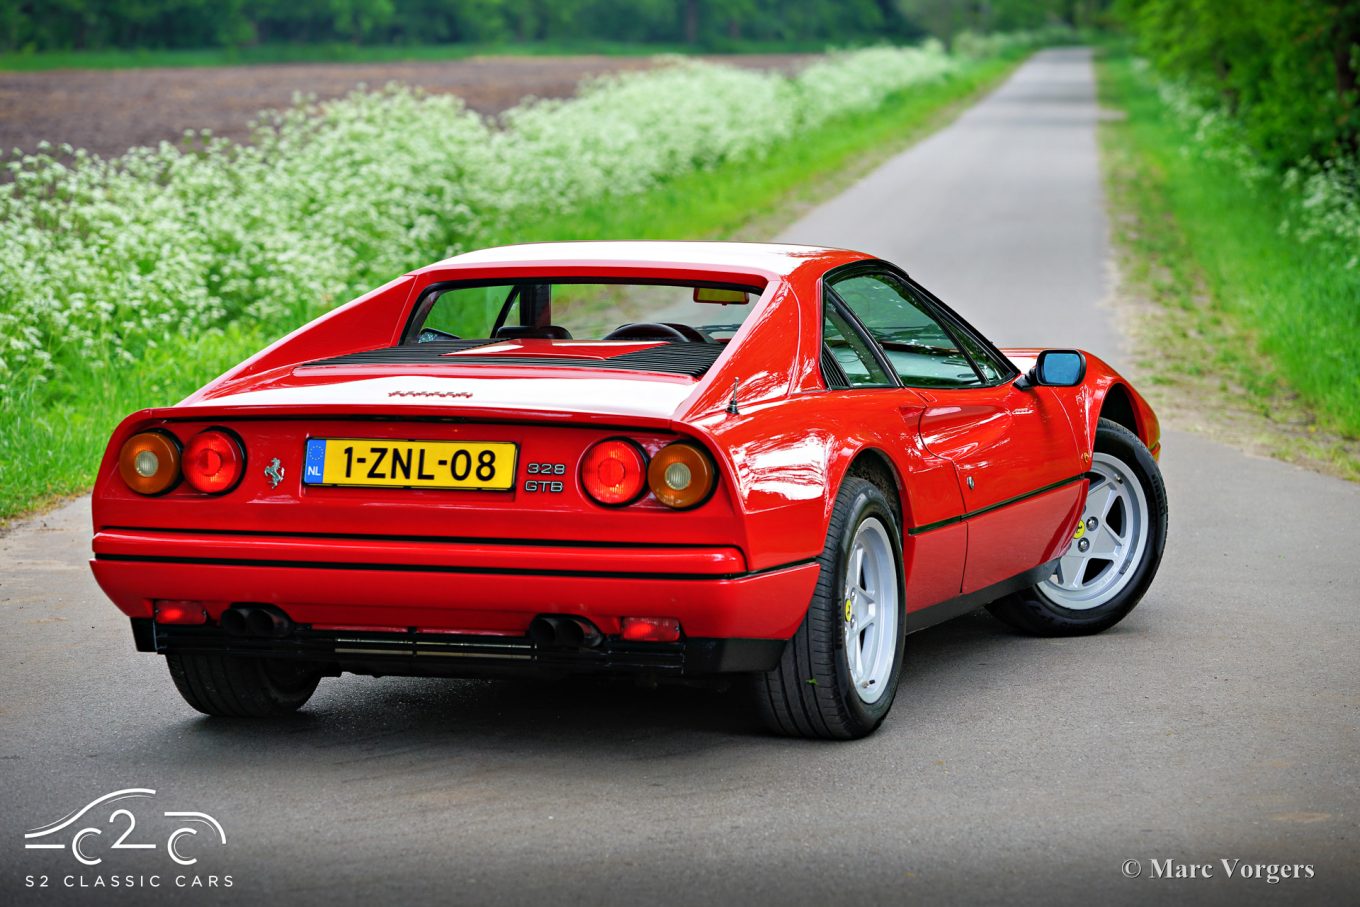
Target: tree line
x,y
40,25
1287,70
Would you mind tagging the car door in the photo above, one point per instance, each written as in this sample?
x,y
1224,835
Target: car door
x,y
1014,452
932,562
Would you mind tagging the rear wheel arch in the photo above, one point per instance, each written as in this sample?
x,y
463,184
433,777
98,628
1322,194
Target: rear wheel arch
x,y
873,465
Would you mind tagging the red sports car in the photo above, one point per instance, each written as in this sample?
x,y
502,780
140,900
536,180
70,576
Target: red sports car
x,y
669,459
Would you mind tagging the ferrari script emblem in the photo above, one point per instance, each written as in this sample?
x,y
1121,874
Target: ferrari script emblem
x,y
274,473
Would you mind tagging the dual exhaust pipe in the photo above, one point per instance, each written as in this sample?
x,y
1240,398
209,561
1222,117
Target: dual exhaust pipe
x,y
258,621
558,631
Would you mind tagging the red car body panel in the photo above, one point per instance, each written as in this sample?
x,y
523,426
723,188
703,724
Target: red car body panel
x,y
988,479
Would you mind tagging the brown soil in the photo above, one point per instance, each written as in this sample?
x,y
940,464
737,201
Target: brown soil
x,y
109,111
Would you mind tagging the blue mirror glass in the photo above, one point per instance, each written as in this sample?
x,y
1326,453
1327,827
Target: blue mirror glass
x,y
1061,368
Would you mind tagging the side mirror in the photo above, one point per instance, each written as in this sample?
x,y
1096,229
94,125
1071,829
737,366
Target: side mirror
x,y
1055,368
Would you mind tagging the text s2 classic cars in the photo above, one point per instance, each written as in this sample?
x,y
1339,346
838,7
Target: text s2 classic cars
x,y
669,459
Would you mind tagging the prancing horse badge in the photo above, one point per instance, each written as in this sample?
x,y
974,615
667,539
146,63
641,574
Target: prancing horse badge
x,y
274,472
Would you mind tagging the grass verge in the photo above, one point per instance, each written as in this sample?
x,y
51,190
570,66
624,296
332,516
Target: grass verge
x,y
1241,329
57,452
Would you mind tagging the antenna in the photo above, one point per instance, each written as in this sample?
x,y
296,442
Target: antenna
x,y
732,404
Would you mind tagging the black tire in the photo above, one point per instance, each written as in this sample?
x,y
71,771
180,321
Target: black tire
x,y
1031,612
810,693
235,687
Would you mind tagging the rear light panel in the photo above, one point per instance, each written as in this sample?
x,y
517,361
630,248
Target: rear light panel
x,y
154,462
617,472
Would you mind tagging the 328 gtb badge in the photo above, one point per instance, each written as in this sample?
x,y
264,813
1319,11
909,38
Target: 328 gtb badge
x,y
553,486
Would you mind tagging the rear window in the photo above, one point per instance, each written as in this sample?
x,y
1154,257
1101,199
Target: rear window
x,y
583,310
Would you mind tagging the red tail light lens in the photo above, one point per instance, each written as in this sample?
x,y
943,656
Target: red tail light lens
x,y
180,612
214,461
149,462
651,629
614,472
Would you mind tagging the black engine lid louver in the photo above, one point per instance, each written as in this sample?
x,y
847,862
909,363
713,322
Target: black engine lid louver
x,y
692,359
407,354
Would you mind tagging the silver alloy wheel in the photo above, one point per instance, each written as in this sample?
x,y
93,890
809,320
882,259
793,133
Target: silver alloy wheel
x,y
1110,542
870,610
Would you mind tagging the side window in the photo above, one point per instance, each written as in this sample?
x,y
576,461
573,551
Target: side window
x,y
921,350
851,353
984,359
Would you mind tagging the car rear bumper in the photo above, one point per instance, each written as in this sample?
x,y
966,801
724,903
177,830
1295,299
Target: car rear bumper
x,y
462,655
477,588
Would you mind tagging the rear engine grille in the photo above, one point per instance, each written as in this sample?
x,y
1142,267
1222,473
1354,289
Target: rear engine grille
x,y
692,359
408,354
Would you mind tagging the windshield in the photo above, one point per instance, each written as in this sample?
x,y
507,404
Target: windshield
x,y
591,311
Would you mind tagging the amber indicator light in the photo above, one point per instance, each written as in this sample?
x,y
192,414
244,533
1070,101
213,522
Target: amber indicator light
x,y
149,462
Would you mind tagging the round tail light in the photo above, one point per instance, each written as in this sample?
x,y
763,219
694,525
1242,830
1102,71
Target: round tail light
x,y
149,462
614,472
214,461
681,475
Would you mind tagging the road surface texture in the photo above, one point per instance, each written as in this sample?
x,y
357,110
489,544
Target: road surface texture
x,y
1219,721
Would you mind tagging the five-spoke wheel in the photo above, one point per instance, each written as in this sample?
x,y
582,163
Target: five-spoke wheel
x,y
1114,551
1110,540
839,673
871,610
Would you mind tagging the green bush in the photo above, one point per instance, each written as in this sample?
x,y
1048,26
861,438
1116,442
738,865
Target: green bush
x,y
1286,70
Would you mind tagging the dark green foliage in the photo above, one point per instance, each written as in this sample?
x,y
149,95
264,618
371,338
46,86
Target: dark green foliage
x,y
58,25
946,18
1286,69
44,25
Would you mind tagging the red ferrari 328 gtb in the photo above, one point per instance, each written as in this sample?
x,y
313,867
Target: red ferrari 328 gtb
x,y
670,459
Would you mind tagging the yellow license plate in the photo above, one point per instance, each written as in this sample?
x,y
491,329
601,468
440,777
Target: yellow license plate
x,y
463,465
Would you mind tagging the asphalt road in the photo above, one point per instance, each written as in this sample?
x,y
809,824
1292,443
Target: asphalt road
x,y
1219,721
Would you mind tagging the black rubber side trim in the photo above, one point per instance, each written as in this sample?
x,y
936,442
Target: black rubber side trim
x,y
940,524
971,601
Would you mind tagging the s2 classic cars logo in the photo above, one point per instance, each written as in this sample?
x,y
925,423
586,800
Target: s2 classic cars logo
x,y
102,825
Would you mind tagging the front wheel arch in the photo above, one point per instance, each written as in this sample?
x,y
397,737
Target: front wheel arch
x,y
1117,406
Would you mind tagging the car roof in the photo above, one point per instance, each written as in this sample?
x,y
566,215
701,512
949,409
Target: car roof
x,y
770,258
